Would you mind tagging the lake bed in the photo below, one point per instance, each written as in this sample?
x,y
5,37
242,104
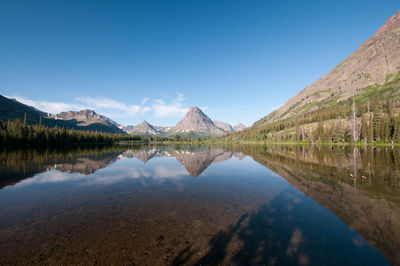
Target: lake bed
x,y
173,205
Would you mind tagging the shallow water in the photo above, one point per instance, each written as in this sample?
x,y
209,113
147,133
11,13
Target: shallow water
x,y
238,205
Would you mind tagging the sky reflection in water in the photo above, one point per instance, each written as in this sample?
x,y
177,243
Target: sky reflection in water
x,y
185,205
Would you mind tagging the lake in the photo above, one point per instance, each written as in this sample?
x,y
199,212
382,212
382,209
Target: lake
x,y
208,205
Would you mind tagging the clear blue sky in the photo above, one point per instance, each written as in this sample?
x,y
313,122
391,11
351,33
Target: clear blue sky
x,y
151,60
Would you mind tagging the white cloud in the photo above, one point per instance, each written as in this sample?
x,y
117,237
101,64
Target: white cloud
x,y
174,109
49,107
106,176
121,109
145,100
156,108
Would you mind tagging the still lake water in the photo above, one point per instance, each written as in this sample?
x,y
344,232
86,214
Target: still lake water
x,y
173,205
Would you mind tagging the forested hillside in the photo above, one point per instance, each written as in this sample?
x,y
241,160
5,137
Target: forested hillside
x,y
358,100
375,117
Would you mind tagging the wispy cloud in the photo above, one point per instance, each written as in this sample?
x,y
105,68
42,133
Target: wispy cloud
x,y
174,109
102,177
49,107
156,108
117,108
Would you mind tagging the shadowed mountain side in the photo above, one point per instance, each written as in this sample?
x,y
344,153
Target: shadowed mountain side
x,y
89,120
348,183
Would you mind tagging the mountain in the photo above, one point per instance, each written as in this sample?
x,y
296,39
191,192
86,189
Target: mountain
x,y
196,123
239,127
145,129
125,128
224,126
11,109
90,120
85,117
163,129
375,63
358,100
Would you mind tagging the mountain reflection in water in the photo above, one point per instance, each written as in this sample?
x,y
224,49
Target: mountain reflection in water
x,y
334,205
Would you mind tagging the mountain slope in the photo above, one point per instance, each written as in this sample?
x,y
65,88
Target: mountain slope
x,y
377,61
11,109
89,120
196,123
239,127
145,129
224,126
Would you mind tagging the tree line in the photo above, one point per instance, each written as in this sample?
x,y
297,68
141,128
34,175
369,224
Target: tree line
x,y
19,134
372,120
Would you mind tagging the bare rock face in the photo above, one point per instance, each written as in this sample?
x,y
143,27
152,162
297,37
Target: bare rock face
x,y
85,117
375,62
224,126
89,120
145,129
198,122
239,127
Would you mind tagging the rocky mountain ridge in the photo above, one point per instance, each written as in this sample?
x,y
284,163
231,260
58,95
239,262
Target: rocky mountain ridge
x,y
195,123
239,127
85,117
88,117
11,109
225,126
377,61
145,129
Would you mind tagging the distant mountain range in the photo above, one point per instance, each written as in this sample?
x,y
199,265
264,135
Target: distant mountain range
x,y
145,129
224,126
239,127
11,109
195,123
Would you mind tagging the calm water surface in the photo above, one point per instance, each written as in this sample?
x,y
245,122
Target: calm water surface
x,y
173,205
